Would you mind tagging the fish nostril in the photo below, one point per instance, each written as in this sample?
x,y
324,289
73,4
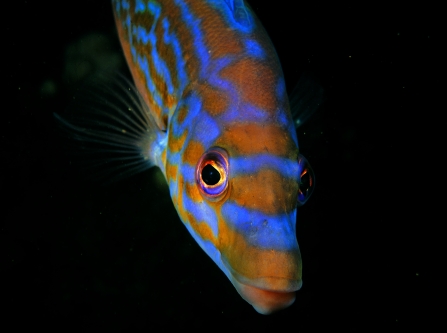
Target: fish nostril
x,y
253,231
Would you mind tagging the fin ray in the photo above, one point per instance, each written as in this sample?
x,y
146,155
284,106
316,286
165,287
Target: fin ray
x,y
307,97
110,122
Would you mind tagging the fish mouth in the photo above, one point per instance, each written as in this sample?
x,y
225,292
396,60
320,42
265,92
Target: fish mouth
x,y
269,289
266,301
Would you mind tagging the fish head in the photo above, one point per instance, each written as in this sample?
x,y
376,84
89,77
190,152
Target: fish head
x,y
238,197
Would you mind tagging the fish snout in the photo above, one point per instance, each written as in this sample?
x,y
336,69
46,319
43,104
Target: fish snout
x,y
267,283
267,301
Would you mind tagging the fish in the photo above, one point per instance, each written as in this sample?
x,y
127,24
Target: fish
x,y
210,109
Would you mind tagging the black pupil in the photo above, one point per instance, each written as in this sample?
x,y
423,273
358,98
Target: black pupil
x,y
210,175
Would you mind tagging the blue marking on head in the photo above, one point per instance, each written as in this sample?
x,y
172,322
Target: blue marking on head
x,y
241,14
235,13
174,159
254,49
245,112
214,78
230,4
282,119
201,211
219,64
250,164
276,232
200,125
194,104
193,24
206,130
281,95
281,89
188,172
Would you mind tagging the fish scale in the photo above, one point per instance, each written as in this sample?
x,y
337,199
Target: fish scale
x,y
208,76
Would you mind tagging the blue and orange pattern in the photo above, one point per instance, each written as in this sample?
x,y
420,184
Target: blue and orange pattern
x,y
209,78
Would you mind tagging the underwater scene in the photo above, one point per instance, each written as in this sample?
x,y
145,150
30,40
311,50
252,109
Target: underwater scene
x,y
103,231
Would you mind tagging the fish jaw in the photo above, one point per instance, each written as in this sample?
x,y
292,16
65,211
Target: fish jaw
x,y
266,293
267,301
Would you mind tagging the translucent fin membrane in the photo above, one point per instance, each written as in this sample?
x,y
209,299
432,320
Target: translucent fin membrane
x,y
110,129
306,98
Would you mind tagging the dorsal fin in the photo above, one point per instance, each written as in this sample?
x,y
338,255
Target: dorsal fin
x,y
306,98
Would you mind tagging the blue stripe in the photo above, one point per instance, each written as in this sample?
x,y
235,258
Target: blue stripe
x,y
202,212
200,125
236,14
117,6
133,51
150,38
188,172
125,4
128,25
140,7
253,48
193,103
281,89
144,66
193,24
170,39
214,78
142,35
275,232
245,112
206,130
251,164
155,9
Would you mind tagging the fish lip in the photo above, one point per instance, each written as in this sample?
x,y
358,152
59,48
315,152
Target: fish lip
x,y
274,283
265,294
264,301
269,283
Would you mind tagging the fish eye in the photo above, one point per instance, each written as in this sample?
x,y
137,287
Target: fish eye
x,y
306,180
212,173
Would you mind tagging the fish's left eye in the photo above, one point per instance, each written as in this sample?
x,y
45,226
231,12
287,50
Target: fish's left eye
x,y
212,173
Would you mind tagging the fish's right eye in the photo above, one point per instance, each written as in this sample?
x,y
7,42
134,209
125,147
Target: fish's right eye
x,y
212,173
306,180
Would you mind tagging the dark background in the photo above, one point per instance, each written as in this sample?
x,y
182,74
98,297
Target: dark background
x,y
76,253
